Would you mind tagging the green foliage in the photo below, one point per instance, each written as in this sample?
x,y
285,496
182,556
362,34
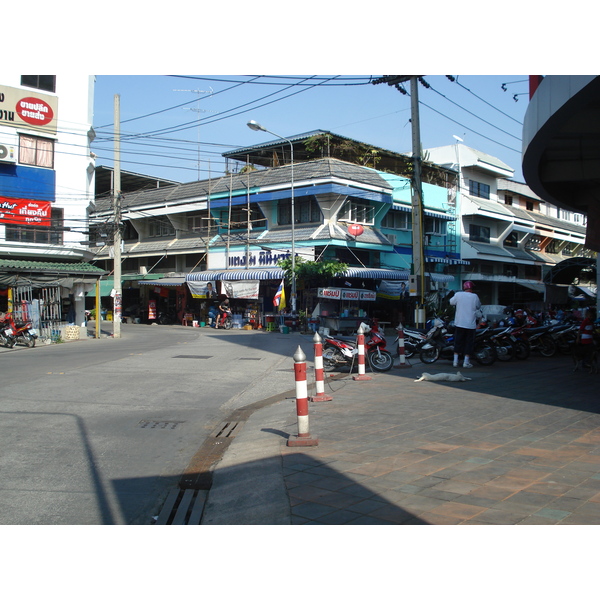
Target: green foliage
x,y
312,273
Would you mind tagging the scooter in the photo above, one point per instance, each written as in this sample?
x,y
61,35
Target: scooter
x,y
340,351
21,331
6,337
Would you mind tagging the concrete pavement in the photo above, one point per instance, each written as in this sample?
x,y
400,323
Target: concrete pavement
x,y
517,444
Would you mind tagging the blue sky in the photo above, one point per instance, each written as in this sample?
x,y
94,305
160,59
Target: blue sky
x,y
166,121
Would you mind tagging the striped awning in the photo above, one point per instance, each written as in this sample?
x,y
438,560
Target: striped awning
x,y
236,275
366,273
426,212
164,282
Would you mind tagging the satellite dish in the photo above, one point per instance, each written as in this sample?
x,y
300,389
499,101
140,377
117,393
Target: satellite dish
x,y
355,229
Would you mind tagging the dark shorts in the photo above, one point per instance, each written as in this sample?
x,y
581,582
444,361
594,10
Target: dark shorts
x,y
464,340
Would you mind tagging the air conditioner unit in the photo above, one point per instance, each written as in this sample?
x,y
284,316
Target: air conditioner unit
x,y
391,237
8,154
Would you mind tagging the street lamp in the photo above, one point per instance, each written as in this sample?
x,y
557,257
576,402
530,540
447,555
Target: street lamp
x,y
258,127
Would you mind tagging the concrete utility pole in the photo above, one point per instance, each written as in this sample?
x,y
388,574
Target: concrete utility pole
x,y
417,201
117,291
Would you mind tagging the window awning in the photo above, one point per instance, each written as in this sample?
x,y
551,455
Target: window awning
x,y
366,273
236,275
164,282
426,212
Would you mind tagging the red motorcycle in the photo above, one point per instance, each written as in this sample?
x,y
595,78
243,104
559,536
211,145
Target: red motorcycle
x,y
18,331
340,351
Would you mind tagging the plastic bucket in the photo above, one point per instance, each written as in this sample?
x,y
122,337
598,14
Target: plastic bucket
x,y
284,329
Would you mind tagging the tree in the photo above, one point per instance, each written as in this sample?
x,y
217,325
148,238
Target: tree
x,y
312,273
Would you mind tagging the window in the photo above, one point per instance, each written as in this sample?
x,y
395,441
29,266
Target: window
x,y
306,210
512,239
239,217
397,219
435,226
478,233
39,235
534,243
36,151
529,205
160,227
552,247
40,82
508,199
481,190
357,211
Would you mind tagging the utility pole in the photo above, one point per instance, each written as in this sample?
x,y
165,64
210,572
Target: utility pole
x,y
418,262
117,291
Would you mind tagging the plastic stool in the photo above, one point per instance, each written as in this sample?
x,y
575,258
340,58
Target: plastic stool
x,y
271,326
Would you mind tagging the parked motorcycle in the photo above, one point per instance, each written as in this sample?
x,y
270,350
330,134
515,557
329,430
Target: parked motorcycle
x,y
22,332
414,339
441,345
6,337
340,351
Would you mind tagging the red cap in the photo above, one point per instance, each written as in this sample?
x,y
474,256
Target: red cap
x,y
468,285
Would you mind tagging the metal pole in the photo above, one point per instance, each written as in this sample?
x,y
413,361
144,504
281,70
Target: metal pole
x,y
117,291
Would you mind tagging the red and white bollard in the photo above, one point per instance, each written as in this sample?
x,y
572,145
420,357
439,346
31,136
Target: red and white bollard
x,y
401,350
303,438
320,396
360,342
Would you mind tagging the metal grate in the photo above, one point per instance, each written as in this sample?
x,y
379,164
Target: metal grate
x,y
227,430
191,356
183,507
152,424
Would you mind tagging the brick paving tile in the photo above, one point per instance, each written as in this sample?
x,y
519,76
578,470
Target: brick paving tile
x,y
476,500
498,516
394,514
458,510
434,519
440,495
418,504
311,510
553,514
306,493
591,509
527,498
338,517
535,520
511,483
457,487
583,492
493,492
368,520
550,488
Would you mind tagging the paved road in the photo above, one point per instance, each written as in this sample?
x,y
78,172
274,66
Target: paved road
x,y
98,431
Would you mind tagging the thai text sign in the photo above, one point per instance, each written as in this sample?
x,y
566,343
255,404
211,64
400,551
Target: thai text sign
x,y
347,294
28,109
25,212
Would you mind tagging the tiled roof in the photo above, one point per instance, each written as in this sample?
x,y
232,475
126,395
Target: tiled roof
x,y
38,266
326,168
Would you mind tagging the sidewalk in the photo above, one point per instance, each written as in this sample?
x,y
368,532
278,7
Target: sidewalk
x,y
518,444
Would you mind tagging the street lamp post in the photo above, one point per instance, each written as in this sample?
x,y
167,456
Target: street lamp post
x,y
258,127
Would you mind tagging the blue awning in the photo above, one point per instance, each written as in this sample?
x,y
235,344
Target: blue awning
x,y
426,212
236,275
366,273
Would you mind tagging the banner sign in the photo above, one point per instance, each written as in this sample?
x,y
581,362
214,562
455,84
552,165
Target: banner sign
x,y
392,290
25,212
246,290
346,294
28,109
203,289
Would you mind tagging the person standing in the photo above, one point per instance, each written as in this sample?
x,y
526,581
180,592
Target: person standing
x,y
465,322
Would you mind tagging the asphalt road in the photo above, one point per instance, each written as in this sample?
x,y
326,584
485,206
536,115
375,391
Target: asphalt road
x,y
98,431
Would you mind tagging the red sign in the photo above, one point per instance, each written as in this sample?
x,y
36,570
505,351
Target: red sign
x,y
35,111
355,229
25,212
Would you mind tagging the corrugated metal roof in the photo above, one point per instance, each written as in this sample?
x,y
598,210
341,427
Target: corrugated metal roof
x,y
38,266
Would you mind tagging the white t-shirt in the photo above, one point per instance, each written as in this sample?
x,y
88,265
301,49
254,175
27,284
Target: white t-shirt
x,y
466,304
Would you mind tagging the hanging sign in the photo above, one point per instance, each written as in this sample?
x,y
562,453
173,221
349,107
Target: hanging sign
x,y
355,229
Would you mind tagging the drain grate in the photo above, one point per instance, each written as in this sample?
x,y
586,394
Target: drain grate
x,y
248,358
227,430
183,507
192,356
151,424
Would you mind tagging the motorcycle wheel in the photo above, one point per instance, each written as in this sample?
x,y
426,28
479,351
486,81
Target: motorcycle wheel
x,y
332,358
227,324
485,354
429,355
522,350
381,361
505,350
409,350
547,346
29,341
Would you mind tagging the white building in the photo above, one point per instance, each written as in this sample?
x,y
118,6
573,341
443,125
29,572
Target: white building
x,y
46,187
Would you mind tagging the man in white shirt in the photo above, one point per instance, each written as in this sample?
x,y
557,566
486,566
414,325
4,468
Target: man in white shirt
x,y
465,322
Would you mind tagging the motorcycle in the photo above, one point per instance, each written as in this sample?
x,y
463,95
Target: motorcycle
x,y
20,331
166,317
440,344
414,339
340,351
6,337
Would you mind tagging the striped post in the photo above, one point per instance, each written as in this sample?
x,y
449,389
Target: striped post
x,y
320,396
360,342
303,438
401,351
